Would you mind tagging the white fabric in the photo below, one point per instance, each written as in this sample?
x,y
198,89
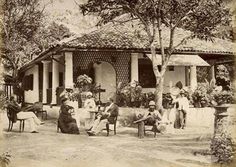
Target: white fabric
x,y
89,106
31,117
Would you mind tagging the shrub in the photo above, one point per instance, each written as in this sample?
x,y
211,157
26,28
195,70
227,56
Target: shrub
x,y
5,159
222,148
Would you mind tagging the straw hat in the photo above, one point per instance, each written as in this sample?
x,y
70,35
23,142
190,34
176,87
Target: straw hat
x,y
152,103
89,94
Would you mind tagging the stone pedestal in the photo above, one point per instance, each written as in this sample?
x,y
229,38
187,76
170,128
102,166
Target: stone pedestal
x,y
221,120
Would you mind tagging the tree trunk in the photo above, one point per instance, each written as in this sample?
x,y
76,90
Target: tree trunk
x,y
159,92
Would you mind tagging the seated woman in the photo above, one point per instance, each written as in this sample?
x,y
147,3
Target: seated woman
x,y
67,123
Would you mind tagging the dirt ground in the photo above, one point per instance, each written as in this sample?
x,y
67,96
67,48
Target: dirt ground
x,y
51,149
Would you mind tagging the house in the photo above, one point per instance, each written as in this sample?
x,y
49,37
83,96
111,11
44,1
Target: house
x,y
113,54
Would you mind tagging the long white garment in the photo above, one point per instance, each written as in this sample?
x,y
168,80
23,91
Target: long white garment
x,y
31,117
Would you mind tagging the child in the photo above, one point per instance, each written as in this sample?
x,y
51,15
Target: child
x,y
90,107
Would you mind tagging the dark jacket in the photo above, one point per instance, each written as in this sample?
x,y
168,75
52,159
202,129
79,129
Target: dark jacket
x,y
12,109
114,111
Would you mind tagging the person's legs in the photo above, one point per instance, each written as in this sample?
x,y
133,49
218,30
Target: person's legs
x,y
181,116
32,124
101,126
95,124
184,117
27,115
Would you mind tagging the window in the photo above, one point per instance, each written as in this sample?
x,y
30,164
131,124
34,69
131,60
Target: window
x,y
171,68
146,75
28,82
50,80
61,79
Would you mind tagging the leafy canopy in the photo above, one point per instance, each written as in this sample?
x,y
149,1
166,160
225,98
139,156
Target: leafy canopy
x,y
202,17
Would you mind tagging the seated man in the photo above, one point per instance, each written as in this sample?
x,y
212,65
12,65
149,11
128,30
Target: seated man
x,y
151,117
67,123
108,114
30,116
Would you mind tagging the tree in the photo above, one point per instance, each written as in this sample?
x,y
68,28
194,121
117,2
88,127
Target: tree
x,y
200,18
19,22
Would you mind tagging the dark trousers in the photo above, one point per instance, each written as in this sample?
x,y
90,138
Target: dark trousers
x,y
182,116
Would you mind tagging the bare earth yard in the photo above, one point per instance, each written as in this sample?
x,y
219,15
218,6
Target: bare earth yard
x,y
51,149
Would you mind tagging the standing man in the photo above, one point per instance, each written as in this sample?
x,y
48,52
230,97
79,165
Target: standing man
x,y
182,106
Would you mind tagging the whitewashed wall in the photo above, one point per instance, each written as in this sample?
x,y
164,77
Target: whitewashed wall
x,y
171,76
32,96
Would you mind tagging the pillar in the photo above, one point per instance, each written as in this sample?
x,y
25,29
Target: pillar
x,y
212,73
68,70
134,67
55,80
193,77
45,80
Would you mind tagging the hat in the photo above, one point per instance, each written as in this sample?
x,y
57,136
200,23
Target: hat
x,y
182,91
152,103
63,99
89,94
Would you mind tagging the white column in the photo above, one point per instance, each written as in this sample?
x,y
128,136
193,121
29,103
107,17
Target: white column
x,y
193,77
55,80
212,72
45,79
134,67
68,70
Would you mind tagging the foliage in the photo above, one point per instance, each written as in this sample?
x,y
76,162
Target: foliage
x,y
20,22
201,19
201,97
167,101
129,94
222,147
84,82
222,97
5,159
222,77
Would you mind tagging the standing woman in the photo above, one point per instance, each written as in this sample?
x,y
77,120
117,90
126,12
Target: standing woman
x,y
90,107
67,123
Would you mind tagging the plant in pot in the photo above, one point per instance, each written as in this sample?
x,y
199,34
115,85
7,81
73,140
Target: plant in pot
x,y
131,94
82,86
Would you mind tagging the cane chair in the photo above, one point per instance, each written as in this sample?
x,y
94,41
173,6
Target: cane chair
x,y
38,109
12,118
113,121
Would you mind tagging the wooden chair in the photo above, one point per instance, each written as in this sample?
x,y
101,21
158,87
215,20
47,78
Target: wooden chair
x,y
113,121
149,129
11,114
58,128
37,108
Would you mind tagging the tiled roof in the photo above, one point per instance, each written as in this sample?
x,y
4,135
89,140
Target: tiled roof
x,y
125,36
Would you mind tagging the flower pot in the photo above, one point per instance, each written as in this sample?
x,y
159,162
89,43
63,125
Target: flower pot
x,y
197,104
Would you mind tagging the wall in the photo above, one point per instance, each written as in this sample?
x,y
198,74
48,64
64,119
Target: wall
x,y
32,96
171,76
121,64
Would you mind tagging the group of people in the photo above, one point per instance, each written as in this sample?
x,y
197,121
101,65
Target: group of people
x,y
160,119
96,118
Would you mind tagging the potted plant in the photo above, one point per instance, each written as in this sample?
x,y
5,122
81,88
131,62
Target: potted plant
x,y
130,94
